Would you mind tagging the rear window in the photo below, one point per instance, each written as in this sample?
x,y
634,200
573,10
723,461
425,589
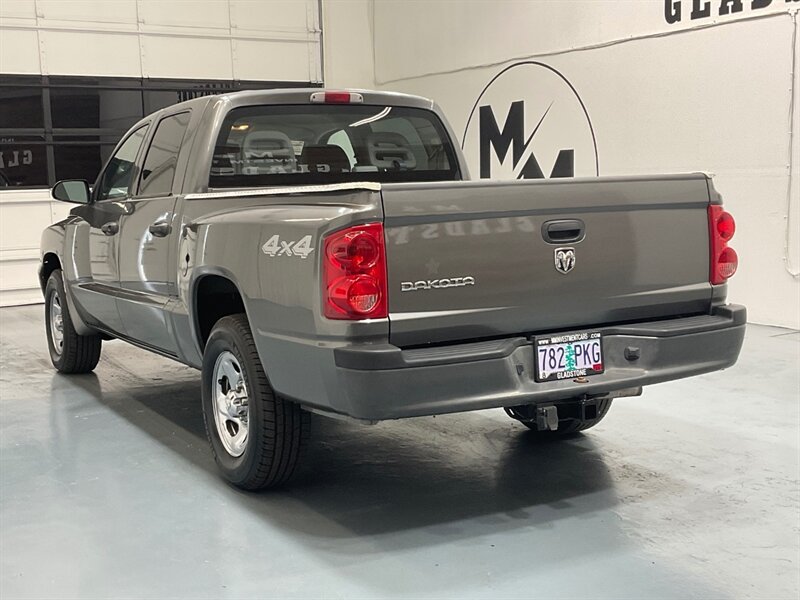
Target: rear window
x,y
290,145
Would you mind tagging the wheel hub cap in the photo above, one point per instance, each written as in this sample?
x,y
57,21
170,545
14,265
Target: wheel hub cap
x,y
56,323
231,412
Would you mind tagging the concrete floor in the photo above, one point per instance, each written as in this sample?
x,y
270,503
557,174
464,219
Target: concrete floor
x,y
108,490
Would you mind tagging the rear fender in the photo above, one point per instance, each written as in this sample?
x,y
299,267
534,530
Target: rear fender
x,y
272,255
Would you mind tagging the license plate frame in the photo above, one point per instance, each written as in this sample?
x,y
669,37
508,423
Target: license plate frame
x,y
584,363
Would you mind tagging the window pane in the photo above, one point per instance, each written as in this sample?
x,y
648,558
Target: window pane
x,y
81,157
162,156
23,161
77,162
80,161
116,180
274,145
21,107
339,138
95,108
158,99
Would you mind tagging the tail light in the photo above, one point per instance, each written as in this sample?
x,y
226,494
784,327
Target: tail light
x,y
336,98
354,274
724,260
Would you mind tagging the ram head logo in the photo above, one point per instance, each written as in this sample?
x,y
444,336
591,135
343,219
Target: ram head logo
x,y
564,259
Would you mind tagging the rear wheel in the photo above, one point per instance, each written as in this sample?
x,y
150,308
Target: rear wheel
x,y
255,435
69,351
573,416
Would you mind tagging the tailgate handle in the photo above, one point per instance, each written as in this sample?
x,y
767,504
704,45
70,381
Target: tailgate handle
x,y
563,231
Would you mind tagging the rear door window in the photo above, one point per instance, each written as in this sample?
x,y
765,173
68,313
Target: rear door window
x,y
158,171
299,144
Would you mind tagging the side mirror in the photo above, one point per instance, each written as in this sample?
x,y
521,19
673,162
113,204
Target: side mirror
x,y
71,190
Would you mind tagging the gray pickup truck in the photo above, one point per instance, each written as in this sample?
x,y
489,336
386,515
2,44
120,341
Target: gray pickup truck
x,y
317,251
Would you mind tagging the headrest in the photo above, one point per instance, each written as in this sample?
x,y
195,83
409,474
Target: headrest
x,y
268,152
268,144
389,150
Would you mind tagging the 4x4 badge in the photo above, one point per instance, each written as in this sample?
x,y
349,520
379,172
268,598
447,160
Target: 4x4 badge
x,y
564,259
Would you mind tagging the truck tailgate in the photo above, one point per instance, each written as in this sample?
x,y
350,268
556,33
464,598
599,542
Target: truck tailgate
x,y
469,260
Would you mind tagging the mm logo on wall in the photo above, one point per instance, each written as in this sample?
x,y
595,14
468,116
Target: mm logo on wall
x,y
530,123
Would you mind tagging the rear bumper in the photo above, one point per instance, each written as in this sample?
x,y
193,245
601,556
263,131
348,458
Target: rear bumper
x,y
377,382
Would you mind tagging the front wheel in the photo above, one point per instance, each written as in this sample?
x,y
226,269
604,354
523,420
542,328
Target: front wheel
x,y
255,435
69,351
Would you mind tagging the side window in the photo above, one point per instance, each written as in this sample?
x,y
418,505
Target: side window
x,y
116,179
341,139
162,156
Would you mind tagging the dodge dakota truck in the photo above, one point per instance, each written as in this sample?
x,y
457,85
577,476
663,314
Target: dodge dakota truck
x,y
319,251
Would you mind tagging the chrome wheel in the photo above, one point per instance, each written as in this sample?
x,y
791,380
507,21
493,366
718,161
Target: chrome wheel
x,y
56,323
231,414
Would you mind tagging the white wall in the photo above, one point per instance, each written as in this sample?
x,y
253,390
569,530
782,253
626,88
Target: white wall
x,y
23,216
348,51
209,39
274,40
711,94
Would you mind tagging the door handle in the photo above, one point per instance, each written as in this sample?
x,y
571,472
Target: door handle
x,y
563,231
110,228
160,229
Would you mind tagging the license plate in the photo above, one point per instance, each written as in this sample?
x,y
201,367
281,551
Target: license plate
x,y
568,356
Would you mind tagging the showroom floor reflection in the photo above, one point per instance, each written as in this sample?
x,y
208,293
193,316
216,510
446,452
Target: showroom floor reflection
x,y
109,489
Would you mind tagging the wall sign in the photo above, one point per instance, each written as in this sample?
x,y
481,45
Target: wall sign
x,y
530,123
704,9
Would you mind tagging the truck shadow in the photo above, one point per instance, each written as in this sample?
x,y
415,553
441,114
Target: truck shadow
x,y
396,476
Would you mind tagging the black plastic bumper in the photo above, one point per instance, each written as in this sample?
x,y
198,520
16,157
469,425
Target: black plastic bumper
x,y
386,382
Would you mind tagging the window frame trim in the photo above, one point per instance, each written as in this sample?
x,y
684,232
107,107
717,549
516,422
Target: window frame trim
x,y
148,142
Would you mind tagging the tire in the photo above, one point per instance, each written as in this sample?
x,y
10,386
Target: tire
x,y
567,426
69,352
275,429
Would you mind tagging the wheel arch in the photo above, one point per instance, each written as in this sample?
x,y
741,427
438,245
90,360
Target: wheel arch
x,y
215,293
50,262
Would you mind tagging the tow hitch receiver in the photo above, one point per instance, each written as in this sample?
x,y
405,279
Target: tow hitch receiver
x,y
547,418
